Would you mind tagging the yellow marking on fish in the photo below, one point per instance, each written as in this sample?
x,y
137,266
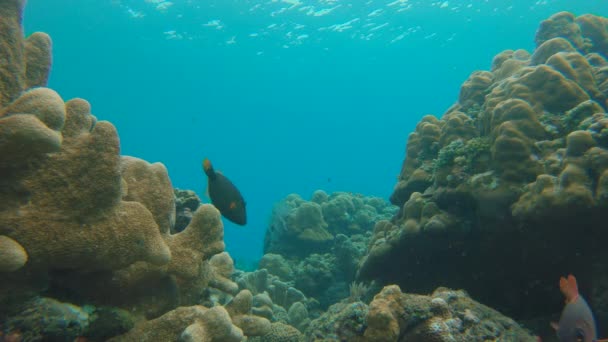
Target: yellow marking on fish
x,y
206,164
232,205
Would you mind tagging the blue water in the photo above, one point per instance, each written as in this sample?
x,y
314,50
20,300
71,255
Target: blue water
x,y
280,100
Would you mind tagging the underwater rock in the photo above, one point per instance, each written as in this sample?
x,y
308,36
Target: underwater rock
x,y
446,315
45,319
106,322
341,322
505,176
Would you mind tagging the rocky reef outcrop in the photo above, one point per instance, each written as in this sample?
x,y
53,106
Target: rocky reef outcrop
x,y
445,315
507,190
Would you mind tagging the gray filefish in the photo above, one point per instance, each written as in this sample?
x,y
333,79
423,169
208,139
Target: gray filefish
x,y
576,323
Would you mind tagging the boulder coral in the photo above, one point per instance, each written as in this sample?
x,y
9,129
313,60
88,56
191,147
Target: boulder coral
x,y
507,176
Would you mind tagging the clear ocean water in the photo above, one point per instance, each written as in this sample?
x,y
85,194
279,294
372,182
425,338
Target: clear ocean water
x,y
284,96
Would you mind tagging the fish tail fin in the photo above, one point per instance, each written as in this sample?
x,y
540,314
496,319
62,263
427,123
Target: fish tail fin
x,y
208,168
569,288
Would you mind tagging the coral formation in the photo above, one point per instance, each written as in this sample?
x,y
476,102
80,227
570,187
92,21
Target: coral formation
x,y
506,176
88,226
275,299
240,308
186,202
193,323
280,332
12,255
100,246
321,269
445,315
299,228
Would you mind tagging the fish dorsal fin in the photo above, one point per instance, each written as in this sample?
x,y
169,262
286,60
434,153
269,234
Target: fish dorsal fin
x,y
569,288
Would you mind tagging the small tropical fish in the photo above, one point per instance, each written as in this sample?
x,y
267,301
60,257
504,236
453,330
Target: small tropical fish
x,y
576,322
224,195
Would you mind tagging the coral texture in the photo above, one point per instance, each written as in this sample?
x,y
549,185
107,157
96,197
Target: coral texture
x,y
498,187
88,226
446,315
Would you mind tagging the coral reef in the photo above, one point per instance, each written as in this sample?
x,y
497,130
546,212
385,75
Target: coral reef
x,y
491,194
321,268
341,322
280,332
193,323
275,299
99,246
240,309
445,315
299,228
94,231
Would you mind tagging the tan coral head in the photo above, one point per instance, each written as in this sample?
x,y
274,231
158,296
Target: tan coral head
x,y
12,255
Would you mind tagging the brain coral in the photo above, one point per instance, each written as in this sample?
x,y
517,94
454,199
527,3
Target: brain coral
x,y
497,187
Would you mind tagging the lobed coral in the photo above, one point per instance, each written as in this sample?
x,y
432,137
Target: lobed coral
x,y
88,226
